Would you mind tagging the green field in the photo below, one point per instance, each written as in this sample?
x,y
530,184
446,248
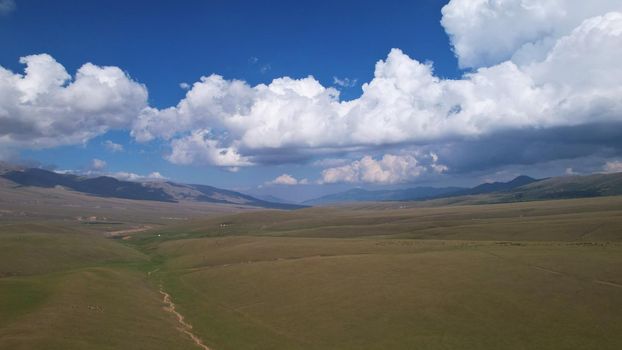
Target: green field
x,y
537,275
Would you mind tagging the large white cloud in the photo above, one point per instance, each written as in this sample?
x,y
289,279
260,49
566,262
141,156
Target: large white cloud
x,y
45,107
283,113
575,83
199,148
538,65
389,169
486,32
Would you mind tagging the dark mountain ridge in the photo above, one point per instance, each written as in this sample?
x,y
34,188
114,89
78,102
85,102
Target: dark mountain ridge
x,y
105,186
102,186
421,193
522,188
566,187
491,187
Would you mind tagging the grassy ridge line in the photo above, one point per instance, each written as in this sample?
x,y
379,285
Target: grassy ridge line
x,y
596,219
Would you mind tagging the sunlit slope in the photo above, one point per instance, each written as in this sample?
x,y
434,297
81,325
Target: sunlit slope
x,y
563,220
61,206
543,275
539,275
242,293
62,289
572,187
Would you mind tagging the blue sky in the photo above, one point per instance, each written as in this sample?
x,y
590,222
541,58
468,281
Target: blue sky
x,y
454,104
162,43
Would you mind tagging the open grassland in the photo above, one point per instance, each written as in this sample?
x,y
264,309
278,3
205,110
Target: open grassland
x,y
61,289
539,275
59,207
241,293
593,219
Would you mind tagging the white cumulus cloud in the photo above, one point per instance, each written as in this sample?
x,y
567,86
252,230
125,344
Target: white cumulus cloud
x,y
613,166
404,103
287,180
389,169
199,148
487,32
113,147
537,65
98,164
46,107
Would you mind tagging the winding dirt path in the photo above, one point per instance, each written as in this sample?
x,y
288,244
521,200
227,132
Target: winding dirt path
x,y
608,283
184,326
128,231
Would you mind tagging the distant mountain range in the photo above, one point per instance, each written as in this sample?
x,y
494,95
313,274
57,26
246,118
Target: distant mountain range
x,y
361,195
271,198
105,186
492,187
419,193
522,188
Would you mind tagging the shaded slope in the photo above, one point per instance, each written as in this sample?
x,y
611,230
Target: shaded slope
x,y
420,193
564,187
204,193
102,186
105,186
522,188
497,186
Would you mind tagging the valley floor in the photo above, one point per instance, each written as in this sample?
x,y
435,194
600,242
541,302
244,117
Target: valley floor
x,y
538,275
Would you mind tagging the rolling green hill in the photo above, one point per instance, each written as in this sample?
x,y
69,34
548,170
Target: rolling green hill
x,y
571,187
542,275
86,272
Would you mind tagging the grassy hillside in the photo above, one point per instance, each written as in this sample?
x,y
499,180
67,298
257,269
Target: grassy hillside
x,y
565,220
545,275
294,293
61,289
572,187
537,275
